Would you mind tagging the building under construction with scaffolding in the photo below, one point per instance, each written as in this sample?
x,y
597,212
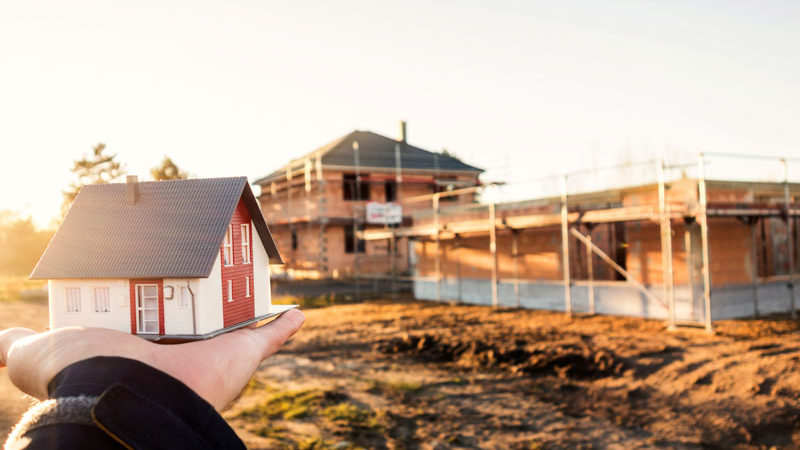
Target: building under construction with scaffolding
x,y
686,249
675,244
317,205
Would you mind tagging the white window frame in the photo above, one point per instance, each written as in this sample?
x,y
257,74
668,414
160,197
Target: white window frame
x,y
245,229
227,247
184,294
247,287
230,290
140,325
70,310
106,300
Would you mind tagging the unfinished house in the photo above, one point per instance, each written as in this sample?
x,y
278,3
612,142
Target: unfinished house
x,y
688,251
317,205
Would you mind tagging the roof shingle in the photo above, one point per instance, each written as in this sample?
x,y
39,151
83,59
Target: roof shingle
x,y
377,151
174,229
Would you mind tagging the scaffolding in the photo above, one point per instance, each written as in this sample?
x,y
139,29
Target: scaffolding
x,y
569,214
568,219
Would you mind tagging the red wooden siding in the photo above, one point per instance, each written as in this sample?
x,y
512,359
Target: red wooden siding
x,y
132,302
242,308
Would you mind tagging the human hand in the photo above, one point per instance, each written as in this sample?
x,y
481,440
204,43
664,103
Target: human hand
x,y
216,369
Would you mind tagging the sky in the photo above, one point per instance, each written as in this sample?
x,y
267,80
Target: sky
x,y
524,89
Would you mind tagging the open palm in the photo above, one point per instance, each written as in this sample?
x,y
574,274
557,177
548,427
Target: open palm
x,y
216,369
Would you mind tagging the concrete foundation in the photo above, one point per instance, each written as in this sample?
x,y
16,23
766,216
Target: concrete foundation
x,y
615,298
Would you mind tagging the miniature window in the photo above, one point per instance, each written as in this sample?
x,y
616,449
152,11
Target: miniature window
x,y
245,243
247,286
185,297
230,290
74,300
228,247
294,239
102,300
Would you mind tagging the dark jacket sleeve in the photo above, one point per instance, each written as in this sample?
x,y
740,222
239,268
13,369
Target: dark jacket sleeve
x,y
112,402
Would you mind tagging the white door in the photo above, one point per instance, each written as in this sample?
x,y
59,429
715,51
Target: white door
x,y
147,308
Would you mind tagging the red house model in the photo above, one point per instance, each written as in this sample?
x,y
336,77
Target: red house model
x,y
166,260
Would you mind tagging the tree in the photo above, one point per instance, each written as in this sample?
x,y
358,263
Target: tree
x,y
168,170
449,153
95,168
21,242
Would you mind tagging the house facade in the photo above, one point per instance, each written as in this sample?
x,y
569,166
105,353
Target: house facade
x,y
316,205
168,259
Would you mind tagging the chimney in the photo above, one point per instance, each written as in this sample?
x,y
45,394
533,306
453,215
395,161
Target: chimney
x,y
403,137
131,189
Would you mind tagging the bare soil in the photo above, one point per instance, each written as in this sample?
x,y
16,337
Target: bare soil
x,y
442,376
425,375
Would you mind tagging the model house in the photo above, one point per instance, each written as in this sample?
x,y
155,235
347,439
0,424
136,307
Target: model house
x,y
182,259
317,204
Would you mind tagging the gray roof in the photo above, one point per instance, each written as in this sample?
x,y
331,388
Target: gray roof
x,y
174,229
377,151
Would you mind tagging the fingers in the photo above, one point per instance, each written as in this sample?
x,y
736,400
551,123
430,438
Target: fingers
x,y
8,338
271,336
36,358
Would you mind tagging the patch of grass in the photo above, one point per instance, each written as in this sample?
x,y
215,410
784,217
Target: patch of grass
x,y
273,432
286,405
396,389
315,443
254,386
348,414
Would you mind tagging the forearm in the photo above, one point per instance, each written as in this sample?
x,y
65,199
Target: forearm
x,y
120,402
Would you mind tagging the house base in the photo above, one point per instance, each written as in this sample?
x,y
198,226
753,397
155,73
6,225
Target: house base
x,y
183,338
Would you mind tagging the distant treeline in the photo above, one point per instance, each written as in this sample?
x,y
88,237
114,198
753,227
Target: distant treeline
x,y
21,243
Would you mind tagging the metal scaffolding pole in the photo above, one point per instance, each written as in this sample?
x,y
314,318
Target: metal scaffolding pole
x,y
457,246
515,255
437,260
393,255
590,271
565,245
666,244
703,221
357,190
754,263
493,250
789,232
322,215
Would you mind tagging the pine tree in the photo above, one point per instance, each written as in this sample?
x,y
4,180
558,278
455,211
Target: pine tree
x,y
168,170
95,168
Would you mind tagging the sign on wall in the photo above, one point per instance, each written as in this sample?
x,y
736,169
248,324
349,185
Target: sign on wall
x,y
384,213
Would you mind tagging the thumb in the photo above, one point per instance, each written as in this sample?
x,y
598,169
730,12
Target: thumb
x,y
271,336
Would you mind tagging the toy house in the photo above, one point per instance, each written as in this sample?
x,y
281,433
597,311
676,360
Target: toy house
x,y
165,260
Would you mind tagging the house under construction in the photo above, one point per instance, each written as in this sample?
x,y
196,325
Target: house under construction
x,y
317,204
688,250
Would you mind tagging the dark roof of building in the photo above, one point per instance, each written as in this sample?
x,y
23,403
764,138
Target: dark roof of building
x,y
377,151
174,229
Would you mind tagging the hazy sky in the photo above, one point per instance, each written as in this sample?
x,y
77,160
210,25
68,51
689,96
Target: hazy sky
x,y
520,88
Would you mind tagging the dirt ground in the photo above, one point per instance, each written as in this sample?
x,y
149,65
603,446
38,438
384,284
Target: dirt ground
x,y
31,314
425,375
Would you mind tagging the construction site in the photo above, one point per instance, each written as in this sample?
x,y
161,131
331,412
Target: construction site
x,y
688,243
